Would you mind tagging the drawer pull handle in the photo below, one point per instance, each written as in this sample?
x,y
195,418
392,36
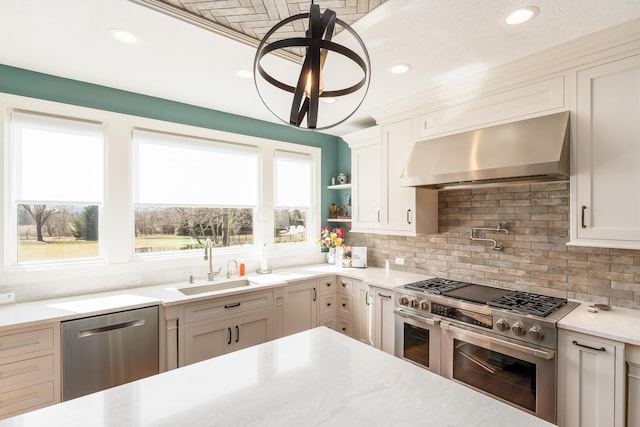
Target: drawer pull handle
x,y
232,305
328,284
344,304
383,295
229,341
328,304
237,333
588,346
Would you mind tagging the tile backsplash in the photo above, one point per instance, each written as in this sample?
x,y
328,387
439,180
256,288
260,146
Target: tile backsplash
x,y
535,257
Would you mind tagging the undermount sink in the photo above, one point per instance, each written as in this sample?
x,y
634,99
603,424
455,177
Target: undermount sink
x,y
211,287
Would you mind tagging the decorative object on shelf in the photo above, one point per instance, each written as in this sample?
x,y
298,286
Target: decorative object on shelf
x,y
342,178
316,74
346,256
331,239
343,212
333,211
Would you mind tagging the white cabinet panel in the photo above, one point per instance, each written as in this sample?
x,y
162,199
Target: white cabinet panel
x,y
633,386
590,381
607,209
366,165
532,99
383,319
300,312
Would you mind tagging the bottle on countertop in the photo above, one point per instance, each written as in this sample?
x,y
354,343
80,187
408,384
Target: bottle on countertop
x,y
242,272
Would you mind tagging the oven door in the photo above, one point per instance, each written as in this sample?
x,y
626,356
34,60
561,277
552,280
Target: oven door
x,y
521,376
418,339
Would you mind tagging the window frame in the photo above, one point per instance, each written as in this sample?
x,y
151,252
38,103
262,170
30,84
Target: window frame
x,y
10,248
118,262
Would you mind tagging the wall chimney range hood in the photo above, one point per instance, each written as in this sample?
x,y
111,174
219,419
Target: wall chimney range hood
x,y
526,151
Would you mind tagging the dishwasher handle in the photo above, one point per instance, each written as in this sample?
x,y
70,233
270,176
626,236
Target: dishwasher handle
x,y
108,328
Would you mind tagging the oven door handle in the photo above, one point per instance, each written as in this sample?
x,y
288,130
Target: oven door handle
x,y
540,354
420,319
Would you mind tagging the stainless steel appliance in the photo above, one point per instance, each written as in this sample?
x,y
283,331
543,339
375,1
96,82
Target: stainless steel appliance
x,y
500,342
105,351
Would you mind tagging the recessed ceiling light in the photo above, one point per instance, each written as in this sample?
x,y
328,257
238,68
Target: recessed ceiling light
x,y
522,15
400,68
245,74
124,36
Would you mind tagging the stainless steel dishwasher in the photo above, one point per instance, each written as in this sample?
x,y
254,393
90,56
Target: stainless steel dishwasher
x,y
108,350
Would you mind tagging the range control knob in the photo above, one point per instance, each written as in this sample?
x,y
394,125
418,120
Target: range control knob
x,y
502,325
536,333
518,329
413,302
403,300
424,305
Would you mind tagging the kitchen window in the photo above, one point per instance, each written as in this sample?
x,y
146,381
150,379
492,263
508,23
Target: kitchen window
x,y
293,191
57,171
189,189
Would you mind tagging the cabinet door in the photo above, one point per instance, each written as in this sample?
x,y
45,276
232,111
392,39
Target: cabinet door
x,y
299,307
204,341
362,313
365,166
383,320
608,153
399,202
591,385
633,386
252,329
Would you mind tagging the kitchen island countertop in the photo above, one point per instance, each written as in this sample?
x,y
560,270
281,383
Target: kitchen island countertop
x,y
317,377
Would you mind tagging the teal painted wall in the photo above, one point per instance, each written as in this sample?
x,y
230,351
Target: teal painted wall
x,y
32,84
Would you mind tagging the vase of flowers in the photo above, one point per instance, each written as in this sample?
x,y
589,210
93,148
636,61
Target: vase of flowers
x,y
330,240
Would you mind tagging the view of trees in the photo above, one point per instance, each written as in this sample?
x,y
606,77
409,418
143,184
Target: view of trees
x,y
59,221
226,226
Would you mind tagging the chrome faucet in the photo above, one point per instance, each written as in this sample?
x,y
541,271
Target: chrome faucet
x,y
229,270
208,255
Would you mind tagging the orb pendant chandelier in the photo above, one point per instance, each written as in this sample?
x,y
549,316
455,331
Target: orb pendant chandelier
x,y
338,74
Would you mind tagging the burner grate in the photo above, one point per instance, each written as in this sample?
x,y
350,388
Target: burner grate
x,y
436,285
537,305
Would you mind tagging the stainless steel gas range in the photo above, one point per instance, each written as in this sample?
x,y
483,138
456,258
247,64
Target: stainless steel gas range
x,y
500,342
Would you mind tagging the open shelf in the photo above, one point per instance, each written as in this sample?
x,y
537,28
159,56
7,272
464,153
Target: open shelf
x,y
339,220
339,186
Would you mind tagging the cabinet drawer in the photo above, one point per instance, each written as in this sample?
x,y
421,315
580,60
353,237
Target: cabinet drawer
x,y
345,327
227,306
26,370
345,286
345,305
24,399
25,342
328,305
326,286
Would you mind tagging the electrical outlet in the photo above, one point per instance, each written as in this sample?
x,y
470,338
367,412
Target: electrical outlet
x,y
7,297
399,261
133,281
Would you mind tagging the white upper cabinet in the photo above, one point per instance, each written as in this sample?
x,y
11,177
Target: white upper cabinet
x,y
366,162
379,203
606,207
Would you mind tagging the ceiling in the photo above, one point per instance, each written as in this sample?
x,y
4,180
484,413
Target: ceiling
x,y
190,61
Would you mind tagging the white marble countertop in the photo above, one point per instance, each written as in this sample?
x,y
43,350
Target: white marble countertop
x,y
619,324
313,378
60,309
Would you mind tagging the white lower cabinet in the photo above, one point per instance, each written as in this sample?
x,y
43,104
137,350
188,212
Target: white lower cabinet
x,y
383,322
29,369
633,386
591,385
214,327
213,339
363,313
299,307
